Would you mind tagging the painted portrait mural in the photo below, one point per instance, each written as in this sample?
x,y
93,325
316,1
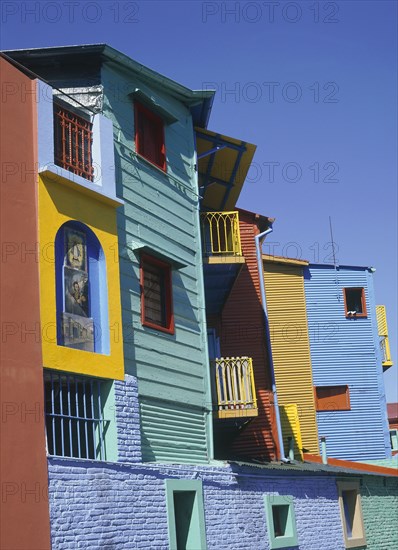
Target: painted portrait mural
x,y
77,325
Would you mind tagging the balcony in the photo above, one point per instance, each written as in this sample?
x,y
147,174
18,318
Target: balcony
x,y
383,336
73,138
220,235
234,392
222,256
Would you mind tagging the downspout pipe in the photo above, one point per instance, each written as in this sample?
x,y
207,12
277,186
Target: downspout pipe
x,y
258,238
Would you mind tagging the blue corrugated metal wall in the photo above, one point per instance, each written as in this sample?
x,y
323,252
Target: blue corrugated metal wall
x,y
346,351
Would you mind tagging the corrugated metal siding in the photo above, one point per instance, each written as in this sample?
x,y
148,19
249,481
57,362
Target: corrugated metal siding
x,y
243,334
345,351
159,212
287,317
169,431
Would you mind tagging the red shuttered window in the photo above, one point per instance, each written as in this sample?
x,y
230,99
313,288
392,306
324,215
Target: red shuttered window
x,y
149,136
156,294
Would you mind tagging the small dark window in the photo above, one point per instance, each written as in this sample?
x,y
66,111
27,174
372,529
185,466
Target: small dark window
x,y
280,514
149,136
355,303
349,505
332,398
156,294
281,521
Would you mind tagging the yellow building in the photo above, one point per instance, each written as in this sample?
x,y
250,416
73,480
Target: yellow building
x,y
284,283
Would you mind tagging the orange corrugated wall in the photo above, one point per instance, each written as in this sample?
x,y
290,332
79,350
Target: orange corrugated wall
x,y
243,334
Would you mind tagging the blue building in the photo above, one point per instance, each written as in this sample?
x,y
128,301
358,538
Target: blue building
x,y
347,361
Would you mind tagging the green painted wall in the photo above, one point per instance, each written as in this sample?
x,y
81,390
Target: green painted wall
x,y
379,498
160,211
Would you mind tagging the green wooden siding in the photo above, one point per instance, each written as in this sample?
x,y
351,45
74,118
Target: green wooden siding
x,y
161,213
169,431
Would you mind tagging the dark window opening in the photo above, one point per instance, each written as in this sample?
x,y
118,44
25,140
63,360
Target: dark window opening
x,y
355,302
156,294
183,509
149,136
349,504
280,514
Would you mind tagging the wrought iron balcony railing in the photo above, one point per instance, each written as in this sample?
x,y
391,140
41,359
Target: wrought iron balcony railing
x,y
383,335
220,234
73,138
233,387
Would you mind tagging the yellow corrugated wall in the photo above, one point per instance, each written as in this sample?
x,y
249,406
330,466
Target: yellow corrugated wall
x,y
291,348
290,422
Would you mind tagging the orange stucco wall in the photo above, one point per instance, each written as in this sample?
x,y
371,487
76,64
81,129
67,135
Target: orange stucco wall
x,y
24,518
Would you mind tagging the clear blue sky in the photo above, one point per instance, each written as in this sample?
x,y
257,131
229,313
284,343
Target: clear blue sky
x,y
312,84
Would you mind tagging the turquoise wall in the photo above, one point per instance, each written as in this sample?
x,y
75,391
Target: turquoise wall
x,y
379,497
160,212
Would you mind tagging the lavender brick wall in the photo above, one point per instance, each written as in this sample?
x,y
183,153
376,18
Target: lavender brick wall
x,y
128,420
123,506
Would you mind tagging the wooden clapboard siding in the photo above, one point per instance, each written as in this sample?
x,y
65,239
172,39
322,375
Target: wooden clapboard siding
x,y
161,212
243,334
290,345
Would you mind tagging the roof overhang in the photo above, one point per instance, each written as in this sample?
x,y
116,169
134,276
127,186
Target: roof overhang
x,y
39,60
282,260
223,163
262,222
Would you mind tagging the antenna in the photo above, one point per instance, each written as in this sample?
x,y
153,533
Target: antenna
x,y
334,258
332,241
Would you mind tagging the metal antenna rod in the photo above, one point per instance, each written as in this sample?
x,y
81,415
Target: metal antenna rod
x,y
331,236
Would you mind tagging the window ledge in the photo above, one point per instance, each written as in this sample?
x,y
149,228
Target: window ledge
x,y
57,174
151,164
356,543
357,316
158,327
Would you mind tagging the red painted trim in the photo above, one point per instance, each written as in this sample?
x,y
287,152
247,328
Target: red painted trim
x,y
363,301
167,270
142,111
366,468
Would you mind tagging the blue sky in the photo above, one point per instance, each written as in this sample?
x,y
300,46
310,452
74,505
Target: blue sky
x,y
312,84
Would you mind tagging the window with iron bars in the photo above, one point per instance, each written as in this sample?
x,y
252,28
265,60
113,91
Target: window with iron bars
x,y
73,139
74,409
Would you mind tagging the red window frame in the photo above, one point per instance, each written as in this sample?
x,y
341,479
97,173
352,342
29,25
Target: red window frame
x,y
73,140
167,294
363,302
144,118
338,396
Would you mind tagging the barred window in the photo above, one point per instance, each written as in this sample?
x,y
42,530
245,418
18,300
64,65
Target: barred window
x,y
74,409
73,139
